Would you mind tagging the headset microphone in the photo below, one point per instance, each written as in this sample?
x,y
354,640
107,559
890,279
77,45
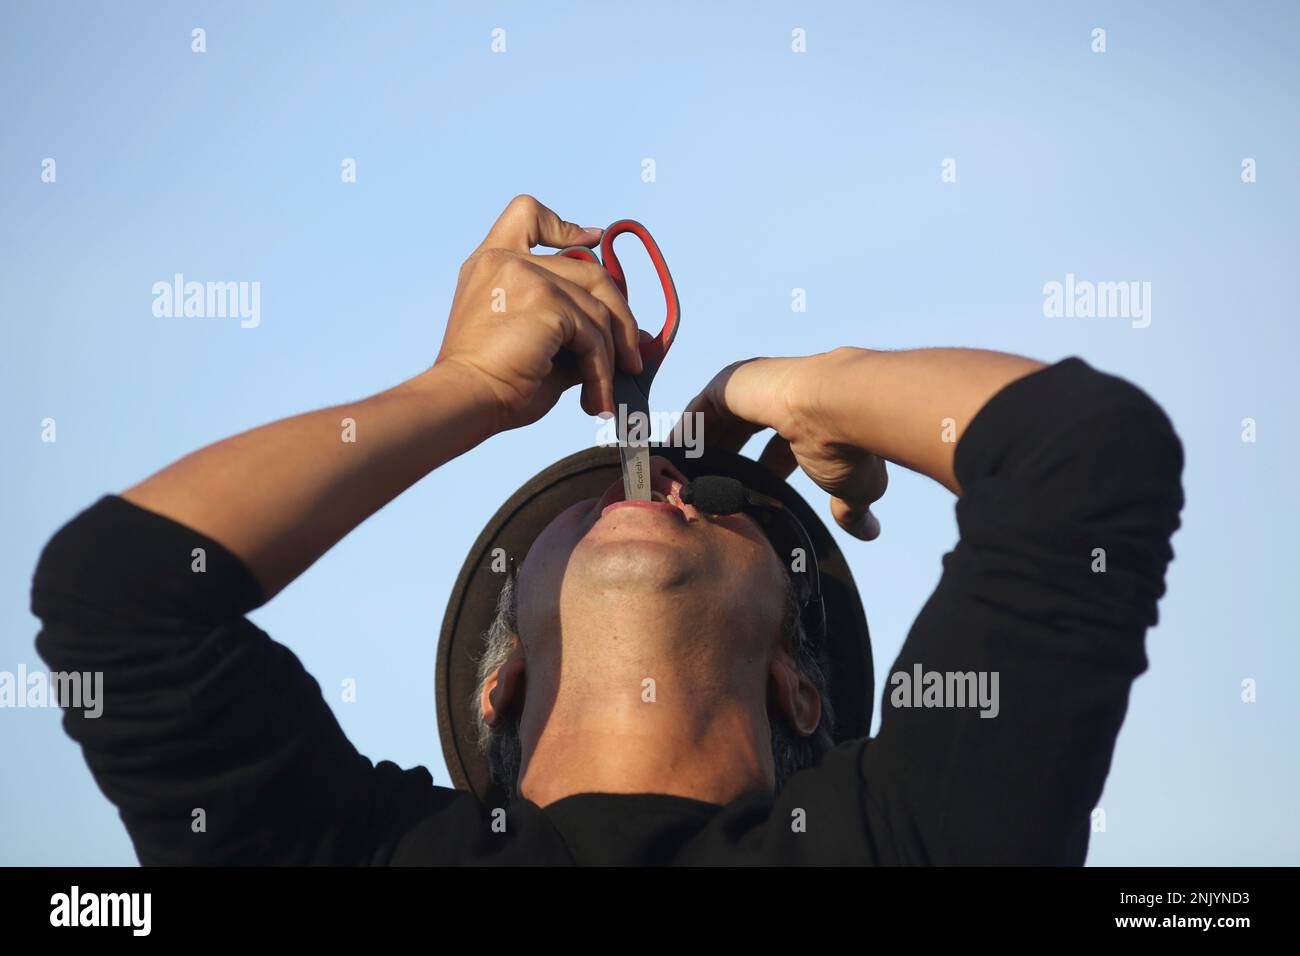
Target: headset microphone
x,y
716,495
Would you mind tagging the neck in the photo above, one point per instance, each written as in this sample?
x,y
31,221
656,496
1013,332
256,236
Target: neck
x,y
627,718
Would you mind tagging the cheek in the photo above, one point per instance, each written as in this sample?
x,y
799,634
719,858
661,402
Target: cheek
x,y
749,549
543,569
750,569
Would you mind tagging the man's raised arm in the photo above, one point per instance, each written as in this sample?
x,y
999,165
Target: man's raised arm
x,y
1070,492
211,739
281,495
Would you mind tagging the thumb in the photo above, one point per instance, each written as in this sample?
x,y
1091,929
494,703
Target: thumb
x,y
857,520
527,223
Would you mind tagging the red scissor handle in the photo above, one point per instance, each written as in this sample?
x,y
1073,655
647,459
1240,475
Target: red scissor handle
x,y
652,350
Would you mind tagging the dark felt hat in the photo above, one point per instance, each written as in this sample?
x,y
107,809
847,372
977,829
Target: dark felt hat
x,y
587,474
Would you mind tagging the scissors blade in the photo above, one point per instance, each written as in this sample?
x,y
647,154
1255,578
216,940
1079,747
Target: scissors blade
x,y
636,472
633,437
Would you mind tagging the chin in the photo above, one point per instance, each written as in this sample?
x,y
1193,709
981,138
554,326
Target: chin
x,y
632,562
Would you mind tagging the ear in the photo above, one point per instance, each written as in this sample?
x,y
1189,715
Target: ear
x,y
795,695
503,691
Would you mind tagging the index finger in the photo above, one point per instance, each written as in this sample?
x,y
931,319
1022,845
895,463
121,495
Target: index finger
x,y
721,427
527,223
743,399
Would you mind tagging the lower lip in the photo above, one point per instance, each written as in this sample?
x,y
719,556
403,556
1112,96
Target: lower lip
x,y
649,505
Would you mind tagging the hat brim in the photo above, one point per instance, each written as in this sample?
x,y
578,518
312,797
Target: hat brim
x,y
586,474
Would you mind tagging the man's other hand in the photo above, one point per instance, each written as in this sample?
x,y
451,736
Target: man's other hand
x,y
785,394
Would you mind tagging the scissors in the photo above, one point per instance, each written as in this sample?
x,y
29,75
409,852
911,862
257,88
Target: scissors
x,y
632,392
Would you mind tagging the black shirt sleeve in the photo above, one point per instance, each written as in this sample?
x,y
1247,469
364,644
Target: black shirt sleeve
x,y
217,747
1061,471
213,741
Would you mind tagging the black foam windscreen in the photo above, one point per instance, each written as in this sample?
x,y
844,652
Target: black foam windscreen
x,y
716,495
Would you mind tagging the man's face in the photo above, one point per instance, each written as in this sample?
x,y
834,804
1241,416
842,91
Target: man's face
x,y
652,569
613,592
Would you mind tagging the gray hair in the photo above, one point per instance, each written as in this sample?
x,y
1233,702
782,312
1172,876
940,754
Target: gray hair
x,y
791,751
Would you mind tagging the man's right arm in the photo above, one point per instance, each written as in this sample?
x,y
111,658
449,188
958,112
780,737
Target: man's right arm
x,y
212,740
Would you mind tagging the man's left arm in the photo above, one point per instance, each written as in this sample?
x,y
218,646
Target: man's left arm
x,y
1069,485
1001,713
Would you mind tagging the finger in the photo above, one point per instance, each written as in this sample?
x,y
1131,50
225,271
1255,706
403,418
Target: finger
x,y
732,403
596,282
527,223
857,519
778,458
862,480
661,467
595,313
877,482
718,427
591,347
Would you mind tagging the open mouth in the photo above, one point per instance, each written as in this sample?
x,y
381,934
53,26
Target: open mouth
x,y
665,491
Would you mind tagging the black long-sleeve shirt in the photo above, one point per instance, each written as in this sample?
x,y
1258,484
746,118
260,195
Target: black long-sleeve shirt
x,y
204,712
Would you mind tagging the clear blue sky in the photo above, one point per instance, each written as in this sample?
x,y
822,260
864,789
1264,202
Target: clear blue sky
x,y
775,171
